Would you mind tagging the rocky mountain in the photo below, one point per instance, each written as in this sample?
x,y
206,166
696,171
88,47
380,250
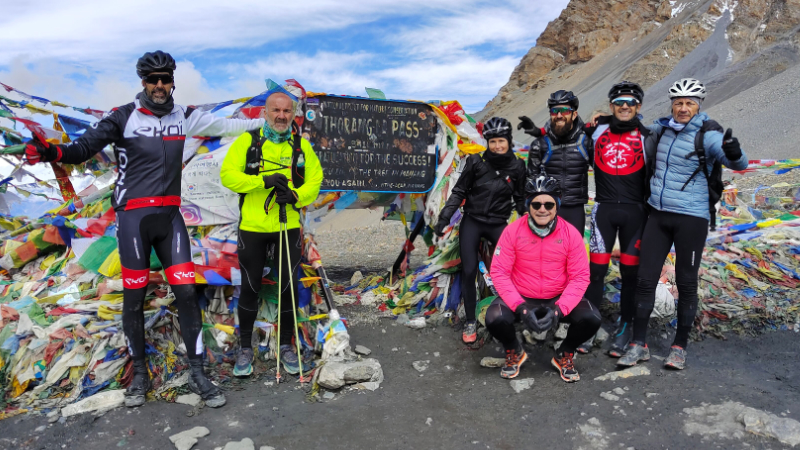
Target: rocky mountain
x,y
731,45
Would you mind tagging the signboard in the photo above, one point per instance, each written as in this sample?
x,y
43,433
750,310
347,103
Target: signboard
x,y
372,145
205,201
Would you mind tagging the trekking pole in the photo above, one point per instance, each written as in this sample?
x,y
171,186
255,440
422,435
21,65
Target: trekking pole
x,y
280,277
285,233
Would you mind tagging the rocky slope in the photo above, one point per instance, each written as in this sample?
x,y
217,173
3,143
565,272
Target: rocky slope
x,y
732,45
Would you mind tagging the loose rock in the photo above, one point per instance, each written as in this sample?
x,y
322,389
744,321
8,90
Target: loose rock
x,y
186,439
429,422
421,366
329,396
732,420
337,372
488,361
98,402
416,323
609,396
189,399
361,350
618,391
244,444
521,385
634,371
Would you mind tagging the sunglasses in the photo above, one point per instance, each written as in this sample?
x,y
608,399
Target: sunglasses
x,y
629,102
547,205
564,110
164,78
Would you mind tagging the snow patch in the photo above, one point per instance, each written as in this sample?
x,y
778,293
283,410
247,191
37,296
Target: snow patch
x,y
677,7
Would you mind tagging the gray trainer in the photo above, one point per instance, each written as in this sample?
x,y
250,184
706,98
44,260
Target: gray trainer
x,y
634,354
676,359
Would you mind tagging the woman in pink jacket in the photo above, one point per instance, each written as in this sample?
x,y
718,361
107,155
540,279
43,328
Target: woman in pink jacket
x,y
541,272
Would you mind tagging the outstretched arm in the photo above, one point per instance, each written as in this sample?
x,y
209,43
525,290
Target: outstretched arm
x,y
202,123
107,131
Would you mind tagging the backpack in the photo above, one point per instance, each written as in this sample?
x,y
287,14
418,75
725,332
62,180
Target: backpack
x,y
254,157
548,154
714,178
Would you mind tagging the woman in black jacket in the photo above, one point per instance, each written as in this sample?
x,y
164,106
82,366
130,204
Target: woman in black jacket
x,y
491,183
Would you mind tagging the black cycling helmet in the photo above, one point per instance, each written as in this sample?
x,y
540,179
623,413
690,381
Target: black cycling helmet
x,y
563,98
156,61
497,127
626,88
542,184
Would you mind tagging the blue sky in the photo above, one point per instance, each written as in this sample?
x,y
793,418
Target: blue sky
x,y
83,52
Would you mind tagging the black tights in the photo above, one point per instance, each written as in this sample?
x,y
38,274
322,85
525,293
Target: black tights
x,y
664,229
469,235
252,250
584,322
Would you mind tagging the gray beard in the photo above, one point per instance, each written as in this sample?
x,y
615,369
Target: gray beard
x,y
158,101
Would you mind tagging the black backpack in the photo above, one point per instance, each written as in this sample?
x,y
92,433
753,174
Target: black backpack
x,y
714,178
254,157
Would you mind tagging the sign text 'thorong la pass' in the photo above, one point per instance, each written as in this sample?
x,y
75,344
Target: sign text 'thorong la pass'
x,y
372,145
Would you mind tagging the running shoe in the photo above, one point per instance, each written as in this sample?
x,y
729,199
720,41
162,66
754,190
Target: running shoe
x,y
244,363
289,359
563,362
586,347
676,359
634,354
514,360
470,334
621,339
137,390
202,386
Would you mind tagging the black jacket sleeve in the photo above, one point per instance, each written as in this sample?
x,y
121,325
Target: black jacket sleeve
x,y
519,190
107,131
460,190
535,157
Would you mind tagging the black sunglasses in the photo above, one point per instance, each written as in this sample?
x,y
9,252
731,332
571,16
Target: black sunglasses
x,y
547,205
154,78
629,102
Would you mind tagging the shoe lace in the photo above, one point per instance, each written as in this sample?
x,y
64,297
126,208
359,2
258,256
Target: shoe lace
x,y
567,362
511,357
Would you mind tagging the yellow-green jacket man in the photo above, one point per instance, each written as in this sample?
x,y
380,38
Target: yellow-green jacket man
x,y
259,228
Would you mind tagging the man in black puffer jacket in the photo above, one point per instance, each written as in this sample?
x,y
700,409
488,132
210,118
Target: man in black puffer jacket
x,y
488,183
559,150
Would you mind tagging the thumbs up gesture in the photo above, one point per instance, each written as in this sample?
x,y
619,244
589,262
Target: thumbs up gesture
x,y
731,147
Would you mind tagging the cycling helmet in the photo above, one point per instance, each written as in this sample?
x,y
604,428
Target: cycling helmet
x,y
156,61
563,98
687,87
542,184
497,127
626,88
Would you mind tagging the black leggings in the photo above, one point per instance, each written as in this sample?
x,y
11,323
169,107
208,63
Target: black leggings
x,y
575,215
160,228
470,234
252,249
608,220
664,229
584,322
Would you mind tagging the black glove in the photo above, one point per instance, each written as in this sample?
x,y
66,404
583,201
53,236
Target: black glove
x,y
531,321
546,318
37,151
525,123
439,228
286,196
731,147
277,180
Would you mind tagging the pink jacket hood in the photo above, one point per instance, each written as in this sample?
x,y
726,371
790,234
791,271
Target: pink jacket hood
x,y
525,265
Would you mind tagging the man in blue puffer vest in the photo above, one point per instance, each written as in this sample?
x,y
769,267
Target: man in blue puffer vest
x,y
679,198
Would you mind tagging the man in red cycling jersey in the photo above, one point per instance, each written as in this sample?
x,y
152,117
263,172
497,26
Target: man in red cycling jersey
x,y
148,135
541,271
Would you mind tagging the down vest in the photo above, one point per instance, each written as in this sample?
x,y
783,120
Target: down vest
x,y
568,162
674,166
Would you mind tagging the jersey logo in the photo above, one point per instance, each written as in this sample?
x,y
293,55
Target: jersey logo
x,y
619,156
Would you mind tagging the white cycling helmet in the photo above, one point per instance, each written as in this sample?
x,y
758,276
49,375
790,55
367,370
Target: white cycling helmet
x,y
687,87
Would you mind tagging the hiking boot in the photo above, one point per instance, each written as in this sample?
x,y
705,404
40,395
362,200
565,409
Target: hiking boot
x,y
289,359
621,339
634,353
514,360
563,362
470,333
676,359
202,386
244,363
137,390
586,347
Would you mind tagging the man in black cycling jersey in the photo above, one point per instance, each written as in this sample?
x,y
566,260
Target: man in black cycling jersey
x,y
148,136
561,148
619,210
